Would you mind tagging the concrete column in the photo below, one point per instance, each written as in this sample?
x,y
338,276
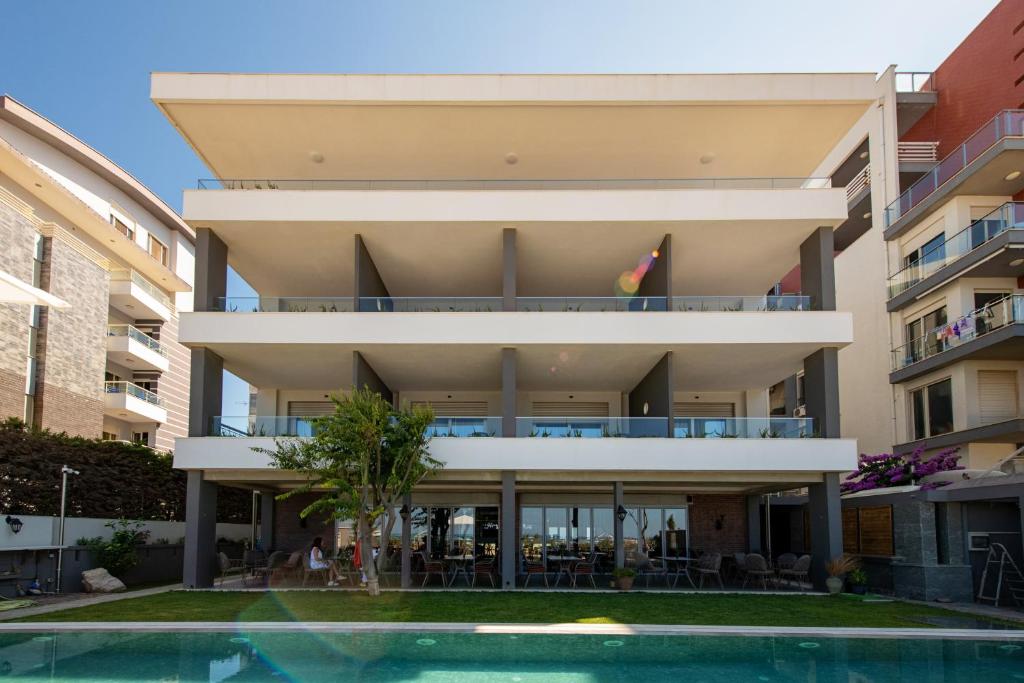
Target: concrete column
x,y
754,539
618,500
657,282
509,269
821,391
407,543
789,394
205,395
509,549
508,392
363,376
655,391
267,504
200,531
368,282
826,515
211,278
817,269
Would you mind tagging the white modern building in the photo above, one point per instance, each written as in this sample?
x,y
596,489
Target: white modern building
x,y
577,272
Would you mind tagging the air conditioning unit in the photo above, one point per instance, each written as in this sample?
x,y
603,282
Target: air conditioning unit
x,y
800,411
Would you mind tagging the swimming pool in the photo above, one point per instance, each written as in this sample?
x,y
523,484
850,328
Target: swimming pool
x,y
526,657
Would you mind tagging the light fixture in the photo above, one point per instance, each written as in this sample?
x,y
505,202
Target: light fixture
x,y
316,157
707,159
1012,175
38,185
647,408
1016,262
404,512
621,513
14,523
511,158
863,155
867,215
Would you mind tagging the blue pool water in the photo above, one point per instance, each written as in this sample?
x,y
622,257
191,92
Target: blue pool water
x,y
239,656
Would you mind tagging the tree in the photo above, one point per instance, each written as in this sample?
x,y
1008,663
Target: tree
x,y
362,460
886,470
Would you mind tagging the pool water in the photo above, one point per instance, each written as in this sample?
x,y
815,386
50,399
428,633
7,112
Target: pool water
x,y
296,656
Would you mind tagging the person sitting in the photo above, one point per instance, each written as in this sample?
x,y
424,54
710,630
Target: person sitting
x,y
318,561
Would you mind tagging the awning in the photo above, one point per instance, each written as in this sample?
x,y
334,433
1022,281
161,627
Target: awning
x,y
14,291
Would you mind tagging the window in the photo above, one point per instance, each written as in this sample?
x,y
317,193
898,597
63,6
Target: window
x,y
920,338
982,299
123,227
158,250
109,436
931,251
932,409
140,438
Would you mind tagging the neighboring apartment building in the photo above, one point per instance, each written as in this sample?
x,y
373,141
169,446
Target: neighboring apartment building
x,y
74,224
555,264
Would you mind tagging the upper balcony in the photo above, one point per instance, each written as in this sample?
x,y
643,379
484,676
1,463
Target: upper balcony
x,y
133,348
132,403
138,298
989,162
988,247
916,94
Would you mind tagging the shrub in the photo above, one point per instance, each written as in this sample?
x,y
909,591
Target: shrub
x,y
886,470
842,565
623,573
118,555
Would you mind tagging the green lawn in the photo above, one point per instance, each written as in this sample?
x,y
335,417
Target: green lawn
x,y
636,608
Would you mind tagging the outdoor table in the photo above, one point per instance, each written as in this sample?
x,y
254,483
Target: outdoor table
x,y
458,564
565,564
681,563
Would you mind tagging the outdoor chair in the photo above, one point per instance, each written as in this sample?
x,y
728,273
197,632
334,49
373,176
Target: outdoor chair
x,y
287,569
739,559
484,568
308,571
646,567
682,569
785,561
756,567
533,568
585,568
799,572
433,568
229,567
709,565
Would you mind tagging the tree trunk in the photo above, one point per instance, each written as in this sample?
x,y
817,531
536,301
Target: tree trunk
x,y
369,567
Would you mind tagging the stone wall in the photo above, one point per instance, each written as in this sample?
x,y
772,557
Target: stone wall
x,y
705,511
17,237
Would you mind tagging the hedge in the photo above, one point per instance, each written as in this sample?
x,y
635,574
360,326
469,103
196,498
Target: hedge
x,y
116,480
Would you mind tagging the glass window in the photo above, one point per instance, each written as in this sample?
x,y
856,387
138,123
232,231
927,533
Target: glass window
x,y
934,249
917,407
463,525
604,530
158,250
530,537
932,409
419,520
556,523
123,228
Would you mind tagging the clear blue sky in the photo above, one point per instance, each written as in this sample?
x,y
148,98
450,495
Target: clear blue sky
x,y
86,65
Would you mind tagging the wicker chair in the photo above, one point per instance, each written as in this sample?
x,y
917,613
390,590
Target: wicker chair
x,y
433,568
756,567
585,568
709,565
229,567
484,568
308,571
533,568
785,561
287,569
646,567
799,572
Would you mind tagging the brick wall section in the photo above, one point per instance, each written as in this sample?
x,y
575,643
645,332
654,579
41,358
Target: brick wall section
x,y
732,537
17,245
290,535
977,80
72,351
173,387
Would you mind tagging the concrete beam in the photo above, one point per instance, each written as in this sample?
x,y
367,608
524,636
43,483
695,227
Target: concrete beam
x,y
509,549
657,282
363,376
826,519
817,269
211,276
509,269
821,391
368,282
620,546
200,531
754,536
653,397
508,392
267,506
205,396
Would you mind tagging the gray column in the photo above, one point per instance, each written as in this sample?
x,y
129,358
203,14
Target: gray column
x,y
789,395
267,504
211,277
407,543
205,391
618,500
508,392
368,282
655,392
826,519
363,376
509,545
817,269
821,391
200,531
754,540
509,269
658,280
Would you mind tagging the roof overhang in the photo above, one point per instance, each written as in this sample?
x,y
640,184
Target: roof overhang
x,y
14,291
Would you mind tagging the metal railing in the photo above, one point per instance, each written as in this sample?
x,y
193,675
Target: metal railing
x,y
1008,123
917,152
137,335
915,81
1007,217
977,323
463,427
526,184
858,183
133,390
133,276
590,304
743,427
430,304
283,304
782,302
592,427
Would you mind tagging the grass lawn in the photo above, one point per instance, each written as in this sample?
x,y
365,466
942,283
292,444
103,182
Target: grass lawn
x,y
636,608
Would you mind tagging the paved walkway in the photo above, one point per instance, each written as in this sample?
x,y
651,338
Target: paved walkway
x,y
83,602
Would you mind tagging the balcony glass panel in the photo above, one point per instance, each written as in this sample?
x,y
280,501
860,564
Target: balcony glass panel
x,y
590,304
977,323
1006,217
262,425
136,335
142,283
783,302
591,427
133,390
508,184
430,304
283,304
464,427
743,427
1008,123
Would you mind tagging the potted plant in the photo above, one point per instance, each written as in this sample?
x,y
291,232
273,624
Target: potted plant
x,y
858,581
837,569
624,577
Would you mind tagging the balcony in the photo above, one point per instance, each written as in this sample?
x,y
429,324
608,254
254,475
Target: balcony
x,y
132,403
992,332
914,81
513,184
858,186
963,253
137,297
283,304
989,162
917,152
131,347
915,96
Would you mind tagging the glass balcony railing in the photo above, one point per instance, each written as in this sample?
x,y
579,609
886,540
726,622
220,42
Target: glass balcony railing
x,y
1008,123
464,427
263,425
783,302
133,390
975,324
525,184
283,304
743,427
1006,217
589,304
430,304
915,81
142,283
592,427
136,335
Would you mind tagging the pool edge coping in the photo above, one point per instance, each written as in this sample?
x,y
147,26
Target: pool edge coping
x,y
512,628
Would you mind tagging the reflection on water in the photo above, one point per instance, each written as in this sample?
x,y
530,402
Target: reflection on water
x,y
277,656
